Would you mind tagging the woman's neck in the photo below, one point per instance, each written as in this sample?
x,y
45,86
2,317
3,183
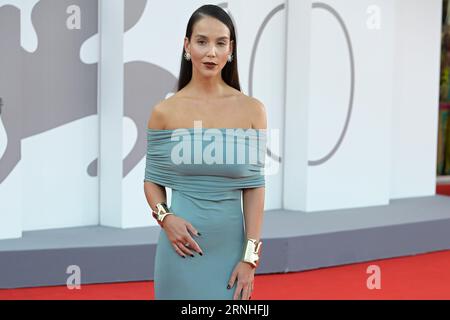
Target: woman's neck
x,y
207,87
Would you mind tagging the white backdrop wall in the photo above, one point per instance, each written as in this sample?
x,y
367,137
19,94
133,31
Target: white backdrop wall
x,y
293,56
345,105
49,123
350,104
357,126
416,97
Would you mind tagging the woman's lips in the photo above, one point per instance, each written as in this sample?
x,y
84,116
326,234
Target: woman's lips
x,y
209,65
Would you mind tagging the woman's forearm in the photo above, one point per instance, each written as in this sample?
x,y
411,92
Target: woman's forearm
x,y
154,194
253,206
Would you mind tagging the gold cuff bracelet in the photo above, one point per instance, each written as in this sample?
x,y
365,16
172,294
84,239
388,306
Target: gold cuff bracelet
x,y
163,211
252,251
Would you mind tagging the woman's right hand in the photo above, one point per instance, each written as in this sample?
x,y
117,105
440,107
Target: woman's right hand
x,y
177,230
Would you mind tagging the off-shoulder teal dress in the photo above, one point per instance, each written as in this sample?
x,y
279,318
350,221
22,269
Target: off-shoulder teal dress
x,y
206,168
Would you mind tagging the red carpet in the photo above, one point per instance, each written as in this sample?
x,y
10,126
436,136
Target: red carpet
x,y
443,189
423,276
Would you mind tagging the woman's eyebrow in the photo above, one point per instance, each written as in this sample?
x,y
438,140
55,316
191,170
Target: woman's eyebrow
x,y
203,36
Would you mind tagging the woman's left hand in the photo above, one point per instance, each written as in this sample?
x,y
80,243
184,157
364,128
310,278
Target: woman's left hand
x,y
244,273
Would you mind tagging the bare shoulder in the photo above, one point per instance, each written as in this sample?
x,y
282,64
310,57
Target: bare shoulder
x,y
160,113
257,112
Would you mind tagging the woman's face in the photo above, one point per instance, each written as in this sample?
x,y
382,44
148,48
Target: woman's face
x,y
210,42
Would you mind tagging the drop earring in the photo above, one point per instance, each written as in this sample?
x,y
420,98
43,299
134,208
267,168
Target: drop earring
x,y
187,56
230,57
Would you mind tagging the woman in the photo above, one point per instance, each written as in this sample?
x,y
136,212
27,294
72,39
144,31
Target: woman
x,y
206,196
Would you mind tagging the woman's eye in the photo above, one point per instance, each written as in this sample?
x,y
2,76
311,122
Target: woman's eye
x,y
203,42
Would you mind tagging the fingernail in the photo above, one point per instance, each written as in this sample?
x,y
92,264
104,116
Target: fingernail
x,y
192,255
183,257
228,287
200,253
199,234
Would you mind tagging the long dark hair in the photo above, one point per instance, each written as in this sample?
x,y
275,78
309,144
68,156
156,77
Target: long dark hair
x,y
230,71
